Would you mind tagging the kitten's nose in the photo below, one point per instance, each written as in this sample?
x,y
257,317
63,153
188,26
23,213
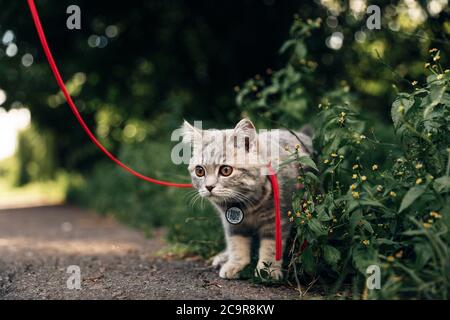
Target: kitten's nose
x,y
209,188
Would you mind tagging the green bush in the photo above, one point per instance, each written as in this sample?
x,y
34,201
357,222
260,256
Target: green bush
x,y
35,157
370,201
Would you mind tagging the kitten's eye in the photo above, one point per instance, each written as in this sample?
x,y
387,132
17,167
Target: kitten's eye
x,y
199,171
225,170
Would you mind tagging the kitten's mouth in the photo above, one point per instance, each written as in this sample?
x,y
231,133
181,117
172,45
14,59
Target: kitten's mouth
x,y
212,195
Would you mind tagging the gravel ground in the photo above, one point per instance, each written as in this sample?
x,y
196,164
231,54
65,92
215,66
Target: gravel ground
x,y
38,244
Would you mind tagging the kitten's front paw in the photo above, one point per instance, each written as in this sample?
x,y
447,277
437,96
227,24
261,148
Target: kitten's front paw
x,y
231,269
269,271
220,259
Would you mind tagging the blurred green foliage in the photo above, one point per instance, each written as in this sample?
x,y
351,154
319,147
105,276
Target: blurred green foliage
x,y
35,157
168,60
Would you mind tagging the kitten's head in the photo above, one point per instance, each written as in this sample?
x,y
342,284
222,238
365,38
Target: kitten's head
x,y
224,166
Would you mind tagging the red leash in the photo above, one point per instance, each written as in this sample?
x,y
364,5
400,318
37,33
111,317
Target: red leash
x,y
74,109
59,80
276,199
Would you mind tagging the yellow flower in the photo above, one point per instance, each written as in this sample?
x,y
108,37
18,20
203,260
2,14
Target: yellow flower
x,y
355,194
298,214
426,65
433,50
379,188
297,147
326,161
419,181
366,242
289,213
435,214
302,222
355,176
414,82
426,225
419,166
390,258
430,221
353,186
363,178
375,167
355,166
334,155
440,76
343,114
392,194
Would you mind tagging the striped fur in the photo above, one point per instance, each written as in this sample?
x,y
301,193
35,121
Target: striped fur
x,y
247,186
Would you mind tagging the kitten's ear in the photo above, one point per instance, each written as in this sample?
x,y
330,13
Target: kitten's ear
x,y
190,133
245,130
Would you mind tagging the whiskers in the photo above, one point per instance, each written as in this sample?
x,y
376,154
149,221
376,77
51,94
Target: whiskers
x,y
220,196
226,196
193,196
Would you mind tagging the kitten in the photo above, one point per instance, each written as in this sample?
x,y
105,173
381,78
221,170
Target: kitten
x,y
228,167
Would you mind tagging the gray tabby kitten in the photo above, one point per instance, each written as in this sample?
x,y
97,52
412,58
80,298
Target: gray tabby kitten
x,y
229,168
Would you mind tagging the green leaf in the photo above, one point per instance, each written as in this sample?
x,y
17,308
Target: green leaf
x,y
423,254
317,228
442,183
364,257
411,195
355,218
307,162
312,176
385,241
300,50
371,202
331,255
436,94
366,224
287,45
400,107
308,260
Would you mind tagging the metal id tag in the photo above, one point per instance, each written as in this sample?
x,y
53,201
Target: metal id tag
x,y
234,215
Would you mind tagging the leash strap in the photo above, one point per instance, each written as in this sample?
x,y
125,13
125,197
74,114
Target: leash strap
x,y
276,199
74,109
